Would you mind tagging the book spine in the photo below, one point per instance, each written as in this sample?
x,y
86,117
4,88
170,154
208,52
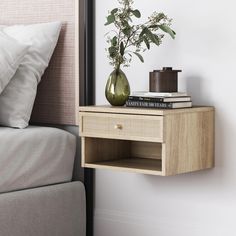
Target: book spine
x,y
147,104
146,99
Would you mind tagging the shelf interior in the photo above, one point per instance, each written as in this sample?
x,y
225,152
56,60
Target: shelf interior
x,y
133,163
116,154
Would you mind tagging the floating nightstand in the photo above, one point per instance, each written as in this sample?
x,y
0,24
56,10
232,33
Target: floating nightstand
x,y
148,141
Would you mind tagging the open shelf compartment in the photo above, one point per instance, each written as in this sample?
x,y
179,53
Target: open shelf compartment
x,y
125,155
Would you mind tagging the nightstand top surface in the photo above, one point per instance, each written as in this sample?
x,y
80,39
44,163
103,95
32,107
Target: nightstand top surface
x,y
142,111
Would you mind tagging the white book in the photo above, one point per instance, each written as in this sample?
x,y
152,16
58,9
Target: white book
x,y
157,94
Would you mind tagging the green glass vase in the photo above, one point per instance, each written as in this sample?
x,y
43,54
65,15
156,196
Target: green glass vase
x,y
117,88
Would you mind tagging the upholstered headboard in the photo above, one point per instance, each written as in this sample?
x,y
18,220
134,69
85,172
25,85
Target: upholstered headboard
x,y
57,99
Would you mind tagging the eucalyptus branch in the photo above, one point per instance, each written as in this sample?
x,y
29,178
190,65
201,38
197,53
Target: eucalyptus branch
x,y
139,36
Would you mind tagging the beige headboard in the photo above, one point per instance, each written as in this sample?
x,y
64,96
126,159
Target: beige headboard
x,y
57,99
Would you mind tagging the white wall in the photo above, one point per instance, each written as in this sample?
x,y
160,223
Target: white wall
x,y
197,204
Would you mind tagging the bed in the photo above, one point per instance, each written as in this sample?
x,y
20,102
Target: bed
x,y
37,156
42,187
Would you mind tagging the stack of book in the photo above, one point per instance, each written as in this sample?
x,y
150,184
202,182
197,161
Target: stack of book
x,y
159,100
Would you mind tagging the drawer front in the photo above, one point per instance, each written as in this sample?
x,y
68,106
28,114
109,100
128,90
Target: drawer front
x,y
128,127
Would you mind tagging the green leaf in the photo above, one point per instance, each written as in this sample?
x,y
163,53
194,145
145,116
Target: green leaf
x,y
110,19
139,56
114,11
168,30
158,40
136,13
148,33
126,31
114,41
122,49
112,51
125,23
152,37
144,31
146,42
127,28
153,26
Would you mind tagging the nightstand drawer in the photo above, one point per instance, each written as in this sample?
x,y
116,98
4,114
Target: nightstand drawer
x,y
121,126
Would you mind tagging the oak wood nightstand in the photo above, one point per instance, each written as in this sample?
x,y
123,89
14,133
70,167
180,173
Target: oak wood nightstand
x,y
148,141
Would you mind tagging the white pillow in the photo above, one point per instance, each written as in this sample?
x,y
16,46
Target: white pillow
x,y
17,99
11,55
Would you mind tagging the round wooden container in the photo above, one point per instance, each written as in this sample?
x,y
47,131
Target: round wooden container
x,y
165,80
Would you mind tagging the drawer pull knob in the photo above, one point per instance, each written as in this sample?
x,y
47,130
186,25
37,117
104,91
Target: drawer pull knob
x,y
118,126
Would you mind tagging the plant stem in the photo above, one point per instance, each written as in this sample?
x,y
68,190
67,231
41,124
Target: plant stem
x,y
117,68
129,38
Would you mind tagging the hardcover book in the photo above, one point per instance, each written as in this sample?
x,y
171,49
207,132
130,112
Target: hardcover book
x,y
160,99
163,105
155,94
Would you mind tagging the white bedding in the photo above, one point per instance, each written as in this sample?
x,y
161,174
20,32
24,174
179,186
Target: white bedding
x,y
35,156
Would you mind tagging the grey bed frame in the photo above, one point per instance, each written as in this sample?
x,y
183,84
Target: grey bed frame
x,y
26,211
